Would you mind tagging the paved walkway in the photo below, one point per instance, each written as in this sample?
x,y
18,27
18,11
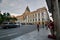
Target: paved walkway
x,y
35,35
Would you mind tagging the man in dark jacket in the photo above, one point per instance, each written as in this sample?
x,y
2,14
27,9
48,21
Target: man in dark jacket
x,y
38,27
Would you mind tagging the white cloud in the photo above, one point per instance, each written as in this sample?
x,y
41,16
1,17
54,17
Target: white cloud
x,y
18,6
15,14
12,4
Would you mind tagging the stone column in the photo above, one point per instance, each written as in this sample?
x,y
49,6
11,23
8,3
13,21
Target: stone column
x,y
58,20
37,17
41,18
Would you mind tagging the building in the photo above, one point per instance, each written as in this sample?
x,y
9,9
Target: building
x,y
54,8
38,16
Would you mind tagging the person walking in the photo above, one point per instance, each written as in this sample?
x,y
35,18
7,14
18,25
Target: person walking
x,y
38,27
51,27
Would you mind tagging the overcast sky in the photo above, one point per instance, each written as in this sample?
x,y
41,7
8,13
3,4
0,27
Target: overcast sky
x,y
17,7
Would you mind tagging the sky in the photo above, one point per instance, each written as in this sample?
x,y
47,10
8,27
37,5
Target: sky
x,y
17,7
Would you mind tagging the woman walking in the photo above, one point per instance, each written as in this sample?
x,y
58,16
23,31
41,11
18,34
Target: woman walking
x,y
51,27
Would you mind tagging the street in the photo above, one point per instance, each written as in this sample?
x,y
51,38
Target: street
x,y
7,34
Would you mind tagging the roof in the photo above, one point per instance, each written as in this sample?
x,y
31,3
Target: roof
x,y
27,9
29,13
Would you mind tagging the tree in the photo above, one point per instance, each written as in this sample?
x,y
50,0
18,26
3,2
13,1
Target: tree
x,y
6,17
1,18
8,14
10,18
14,18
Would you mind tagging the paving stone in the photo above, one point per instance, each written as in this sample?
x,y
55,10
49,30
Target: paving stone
x,y
34,35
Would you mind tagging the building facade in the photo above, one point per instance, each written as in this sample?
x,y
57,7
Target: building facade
x,y
38,16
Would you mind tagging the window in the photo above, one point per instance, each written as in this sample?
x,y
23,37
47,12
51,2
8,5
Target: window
x,y
43,19
39,19
28,20
33,19
38,14
42,14
35,14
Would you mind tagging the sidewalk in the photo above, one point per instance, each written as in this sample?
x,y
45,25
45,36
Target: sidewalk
x,y
34,35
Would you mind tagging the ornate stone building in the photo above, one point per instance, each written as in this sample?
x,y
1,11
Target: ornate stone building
x,y
40,15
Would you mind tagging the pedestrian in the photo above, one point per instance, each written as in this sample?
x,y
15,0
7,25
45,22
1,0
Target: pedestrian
x,y
51,27
38,27
43,24
46,26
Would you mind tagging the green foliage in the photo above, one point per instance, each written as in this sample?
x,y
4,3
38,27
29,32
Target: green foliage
x,y
14,19
1,18
6,17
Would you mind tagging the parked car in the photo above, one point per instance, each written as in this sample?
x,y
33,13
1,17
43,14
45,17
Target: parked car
x,y
9,25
